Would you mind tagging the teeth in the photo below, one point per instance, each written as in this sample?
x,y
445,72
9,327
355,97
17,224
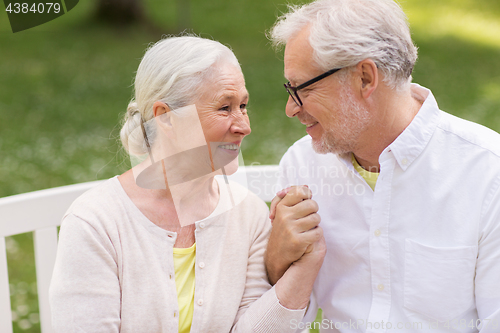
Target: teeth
x,y
310,125
230,147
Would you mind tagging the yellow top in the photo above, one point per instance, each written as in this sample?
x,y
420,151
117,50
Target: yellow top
x,y
369,177
184,260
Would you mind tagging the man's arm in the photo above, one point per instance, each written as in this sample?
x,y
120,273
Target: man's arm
x,y
487,288
295,230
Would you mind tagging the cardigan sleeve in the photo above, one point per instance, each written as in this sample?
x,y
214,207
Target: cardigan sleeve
x,y
85,289
260,310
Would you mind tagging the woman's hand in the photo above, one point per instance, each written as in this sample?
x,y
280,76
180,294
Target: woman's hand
x,y
295,229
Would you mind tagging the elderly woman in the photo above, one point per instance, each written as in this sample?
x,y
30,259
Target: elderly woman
x,y
167,246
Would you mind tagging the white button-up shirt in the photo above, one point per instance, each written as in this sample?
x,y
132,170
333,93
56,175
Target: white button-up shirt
x,y
422,251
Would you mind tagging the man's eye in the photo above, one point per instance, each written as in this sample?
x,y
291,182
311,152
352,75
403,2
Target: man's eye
x,y
243,106
225,108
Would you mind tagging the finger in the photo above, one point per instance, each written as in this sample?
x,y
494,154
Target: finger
x,y
280,195
307,223
297,194
298,211
313,238
274,203
283,192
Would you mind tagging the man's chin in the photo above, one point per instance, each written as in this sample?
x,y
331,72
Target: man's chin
x,y
323,147
320,147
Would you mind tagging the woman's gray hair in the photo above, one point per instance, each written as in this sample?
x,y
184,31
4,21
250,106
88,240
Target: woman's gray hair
x,y
345,32
173,71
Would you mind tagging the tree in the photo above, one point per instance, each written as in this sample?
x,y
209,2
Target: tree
x,y
120,12
127,12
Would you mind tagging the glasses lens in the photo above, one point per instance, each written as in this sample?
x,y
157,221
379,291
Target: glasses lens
x,y
293,94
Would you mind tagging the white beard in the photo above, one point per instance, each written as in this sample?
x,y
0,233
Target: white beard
x,y
345,127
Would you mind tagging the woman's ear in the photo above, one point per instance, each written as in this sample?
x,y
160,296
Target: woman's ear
x,y
160,108
161,111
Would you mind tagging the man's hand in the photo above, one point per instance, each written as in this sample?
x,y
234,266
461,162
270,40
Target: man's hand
x,y
295,229
295,286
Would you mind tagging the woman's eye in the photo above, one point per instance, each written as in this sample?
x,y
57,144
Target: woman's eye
x,y
243,106
225,108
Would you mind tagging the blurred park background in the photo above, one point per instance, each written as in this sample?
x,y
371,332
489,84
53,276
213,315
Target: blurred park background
x,y
65,85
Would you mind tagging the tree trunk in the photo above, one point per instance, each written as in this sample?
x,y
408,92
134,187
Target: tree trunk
x,y
120,12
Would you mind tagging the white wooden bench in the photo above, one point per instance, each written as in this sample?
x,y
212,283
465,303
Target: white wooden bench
x,y
41,211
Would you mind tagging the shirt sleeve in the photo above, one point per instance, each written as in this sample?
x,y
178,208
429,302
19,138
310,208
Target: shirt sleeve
x,y
260,310
85,289
487,287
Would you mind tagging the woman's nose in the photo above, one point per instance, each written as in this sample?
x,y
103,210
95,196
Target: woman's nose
x,y
241,125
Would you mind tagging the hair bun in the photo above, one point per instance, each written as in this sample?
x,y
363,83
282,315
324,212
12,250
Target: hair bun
x,y
132,140
132,109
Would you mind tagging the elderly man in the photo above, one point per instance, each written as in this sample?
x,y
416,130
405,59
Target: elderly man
x,y
409,196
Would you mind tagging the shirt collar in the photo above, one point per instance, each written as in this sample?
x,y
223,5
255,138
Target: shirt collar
x,y
347,160
412,141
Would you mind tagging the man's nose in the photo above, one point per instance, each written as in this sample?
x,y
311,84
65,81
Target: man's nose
x,y
292,108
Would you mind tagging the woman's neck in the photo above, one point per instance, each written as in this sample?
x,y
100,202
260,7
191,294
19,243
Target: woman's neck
x,y
195,200
174,207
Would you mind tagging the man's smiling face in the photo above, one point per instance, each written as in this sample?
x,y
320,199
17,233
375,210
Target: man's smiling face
x,y
330,111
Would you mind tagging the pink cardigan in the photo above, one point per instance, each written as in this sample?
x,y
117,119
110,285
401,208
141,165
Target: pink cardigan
x,y
114,270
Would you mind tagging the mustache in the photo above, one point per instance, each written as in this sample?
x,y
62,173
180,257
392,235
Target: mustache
x,y
304,117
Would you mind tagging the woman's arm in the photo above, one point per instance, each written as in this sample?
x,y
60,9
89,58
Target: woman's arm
x,y
276,309
295,286
85,290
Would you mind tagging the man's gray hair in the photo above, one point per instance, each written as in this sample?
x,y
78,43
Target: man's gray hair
x,y
345,32
174,71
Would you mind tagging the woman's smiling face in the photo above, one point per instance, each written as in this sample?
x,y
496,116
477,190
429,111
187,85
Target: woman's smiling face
x,y
223,114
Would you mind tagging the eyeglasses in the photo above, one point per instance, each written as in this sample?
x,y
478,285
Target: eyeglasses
x,y
293,90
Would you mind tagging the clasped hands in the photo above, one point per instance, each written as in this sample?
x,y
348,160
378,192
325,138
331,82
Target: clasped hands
x,y
296,237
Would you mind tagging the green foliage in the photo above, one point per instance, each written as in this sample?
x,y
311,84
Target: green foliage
x,y
23,289
65,86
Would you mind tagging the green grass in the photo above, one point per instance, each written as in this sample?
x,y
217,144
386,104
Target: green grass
x,y
65,85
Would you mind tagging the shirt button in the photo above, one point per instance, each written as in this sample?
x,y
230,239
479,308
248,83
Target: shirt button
x,y
175,314
201,264
170,276
202,225
404,161
200,302
377,233
380,287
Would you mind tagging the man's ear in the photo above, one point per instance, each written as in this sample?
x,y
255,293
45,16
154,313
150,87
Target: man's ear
x,y
369,77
